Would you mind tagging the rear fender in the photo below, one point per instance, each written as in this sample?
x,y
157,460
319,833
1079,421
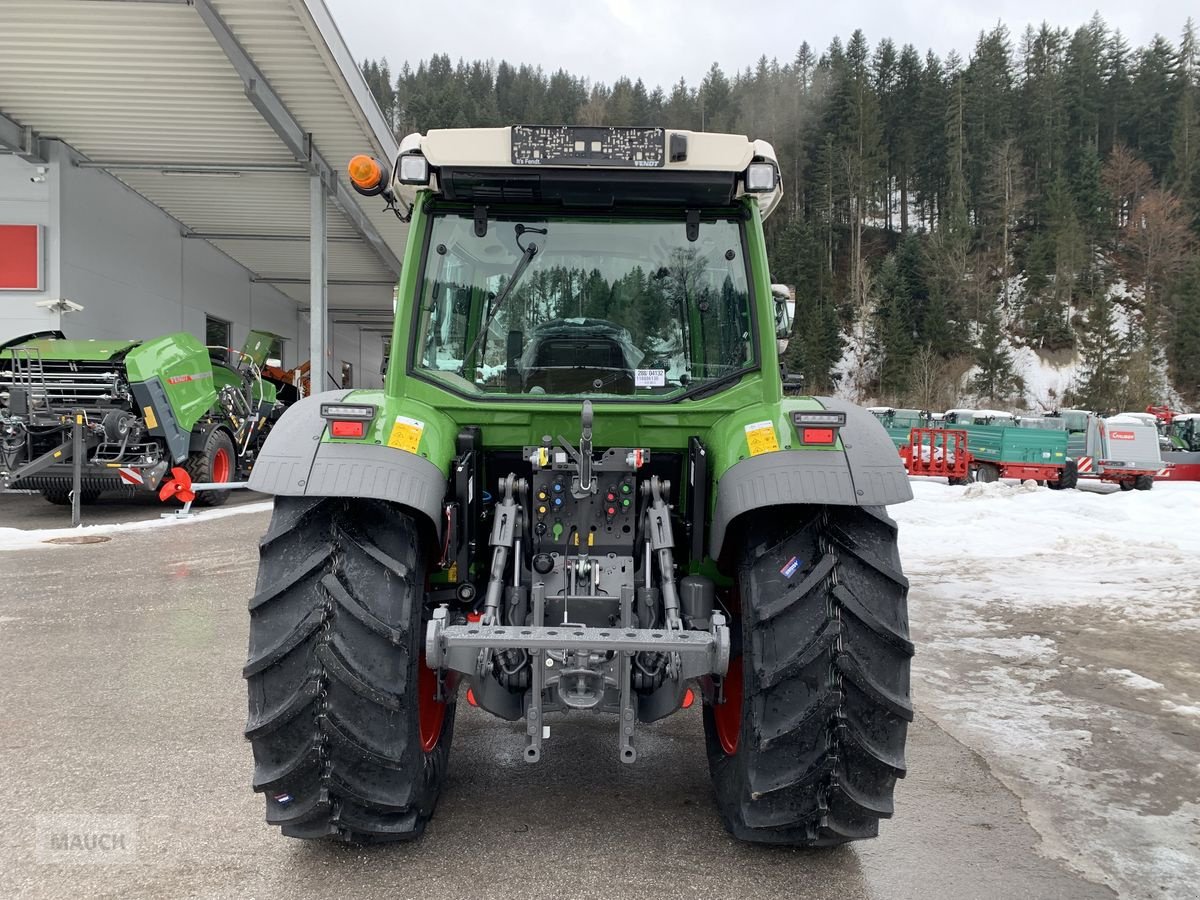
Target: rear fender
x,y
298,459
863,469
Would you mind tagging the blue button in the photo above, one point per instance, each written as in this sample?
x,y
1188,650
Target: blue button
x,y
557,487
558,501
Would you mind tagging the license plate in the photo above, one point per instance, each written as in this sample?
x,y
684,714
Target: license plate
x,y
583,145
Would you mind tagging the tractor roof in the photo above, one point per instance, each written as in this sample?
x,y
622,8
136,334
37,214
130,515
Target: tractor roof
x,y
542,162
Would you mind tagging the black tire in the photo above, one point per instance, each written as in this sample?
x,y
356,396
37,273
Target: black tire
x,y
1127,484
87,496
958,482
334,670
823,658
206,466
1068,478
1143,483
986,473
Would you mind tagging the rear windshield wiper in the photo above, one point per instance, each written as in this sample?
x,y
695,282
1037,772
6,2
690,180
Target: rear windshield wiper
x,y
527,255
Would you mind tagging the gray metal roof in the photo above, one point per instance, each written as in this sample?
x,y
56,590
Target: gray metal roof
x,y
216,111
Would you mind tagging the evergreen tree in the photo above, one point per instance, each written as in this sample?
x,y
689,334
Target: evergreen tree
x,y
1100,377
995,381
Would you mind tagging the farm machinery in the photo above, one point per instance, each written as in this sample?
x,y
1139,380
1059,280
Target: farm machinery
x,y
971,445
95,416
582,491
1180,435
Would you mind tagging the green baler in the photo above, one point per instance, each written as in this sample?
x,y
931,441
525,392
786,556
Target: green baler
x,y
142,407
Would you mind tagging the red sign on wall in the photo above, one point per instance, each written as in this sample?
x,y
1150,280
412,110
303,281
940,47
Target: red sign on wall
x,y
20,257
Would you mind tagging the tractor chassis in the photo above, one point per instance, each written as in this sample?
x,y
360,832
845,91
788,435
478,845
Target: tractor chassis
x,y
524,667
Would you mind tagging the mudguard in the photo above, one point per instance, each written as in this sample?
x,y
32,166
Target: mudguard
x,y
866,471
295,462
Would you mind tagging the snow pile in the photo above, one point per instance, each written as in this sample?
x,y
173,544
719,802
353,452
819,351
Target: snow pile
x,y
981,490
1052,632
18,539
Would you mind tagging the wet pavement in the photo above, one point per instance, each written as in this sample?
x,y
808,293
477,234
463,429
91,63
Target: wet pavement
x,y
121,700
29,510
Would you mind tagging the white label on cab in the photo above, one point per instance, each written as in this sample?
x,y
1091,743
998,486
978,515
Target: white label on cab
x,y
644,378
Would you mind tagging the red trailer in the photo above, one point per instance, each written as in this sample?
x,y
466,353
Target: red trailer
x,y
937,452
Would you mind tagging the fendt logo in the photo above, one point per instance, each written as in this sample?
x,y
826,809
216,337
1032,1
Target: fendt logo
x,y
183,379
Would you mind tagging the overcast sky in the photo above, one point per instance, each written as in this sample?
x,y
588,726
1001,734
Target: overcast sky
x,y
660,40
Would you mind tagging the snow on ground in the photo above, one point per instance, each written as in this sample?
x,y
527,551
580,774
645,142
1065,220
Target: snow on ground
x,y
19,539
1057,634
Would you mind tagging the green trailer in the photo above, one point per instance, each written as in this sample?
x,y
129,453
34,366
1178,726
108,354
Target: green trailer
x,y
124,413
1004,451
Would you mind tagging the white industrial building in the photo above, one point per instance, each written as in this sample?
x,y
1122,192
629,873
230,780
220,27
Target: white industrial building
x,y
180,165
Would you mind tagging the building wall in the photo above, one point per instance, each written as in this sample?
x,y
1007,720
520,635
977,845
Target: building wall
x,y
125,261
23,202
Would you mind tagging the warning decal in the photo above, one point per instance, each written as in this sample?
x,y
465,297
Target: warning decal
x,y
760,438
406,434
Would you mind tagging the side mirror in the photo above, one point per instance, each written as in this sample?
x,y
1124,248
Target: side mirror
x,y
785,313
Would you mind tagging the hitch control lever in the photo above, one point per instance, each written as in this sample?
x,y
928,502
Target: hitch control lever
x,y
584,482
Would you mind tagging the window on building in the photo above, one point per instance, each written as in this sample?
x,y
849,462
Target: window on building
x,y
347,375
216,336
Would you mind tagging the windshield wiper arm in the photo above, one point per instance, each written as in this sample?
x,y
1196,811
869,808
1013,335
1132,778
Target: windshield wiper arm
x,y
527,255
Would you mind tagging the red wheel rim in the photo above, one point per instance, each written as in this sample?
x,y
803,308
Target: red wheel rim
x,y
431,712
727,716
220,466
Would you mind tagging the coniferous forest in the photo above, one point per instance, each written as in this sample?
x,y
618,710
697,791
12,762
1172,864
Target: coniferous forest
x,y
941,214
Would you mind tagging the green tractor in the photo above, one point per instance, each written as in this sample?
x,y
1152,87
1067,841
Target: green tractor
x,y
129,412
582,489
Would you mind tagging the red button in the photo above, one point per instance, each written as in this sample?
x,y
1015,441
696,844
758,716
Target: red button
x,y
345,429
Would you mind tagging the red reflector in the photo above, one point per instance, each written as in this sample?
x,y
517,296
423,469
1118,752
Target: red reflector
x,y
688,699
471,697
817,436
341,428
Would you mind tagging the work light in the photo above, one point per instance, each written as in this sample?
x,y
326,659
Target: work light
x,y
761,177
412,168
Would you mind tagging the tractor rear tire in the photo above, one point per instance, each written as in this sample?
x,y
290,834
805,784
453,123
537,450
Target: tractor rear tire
x,y
806,748
216,463
87,496
350,742
1143,483
1068,478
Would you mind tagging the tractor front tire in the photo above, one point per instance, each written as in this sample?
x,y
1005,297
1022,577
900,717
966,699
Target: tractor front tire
x,y
215,464
1143,483
350,741
806,748
1068,478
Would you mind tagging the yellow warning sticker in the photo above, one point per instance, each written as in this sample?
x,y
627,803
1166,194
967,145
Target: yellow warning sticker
x,y
406,434
760,438
151,422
